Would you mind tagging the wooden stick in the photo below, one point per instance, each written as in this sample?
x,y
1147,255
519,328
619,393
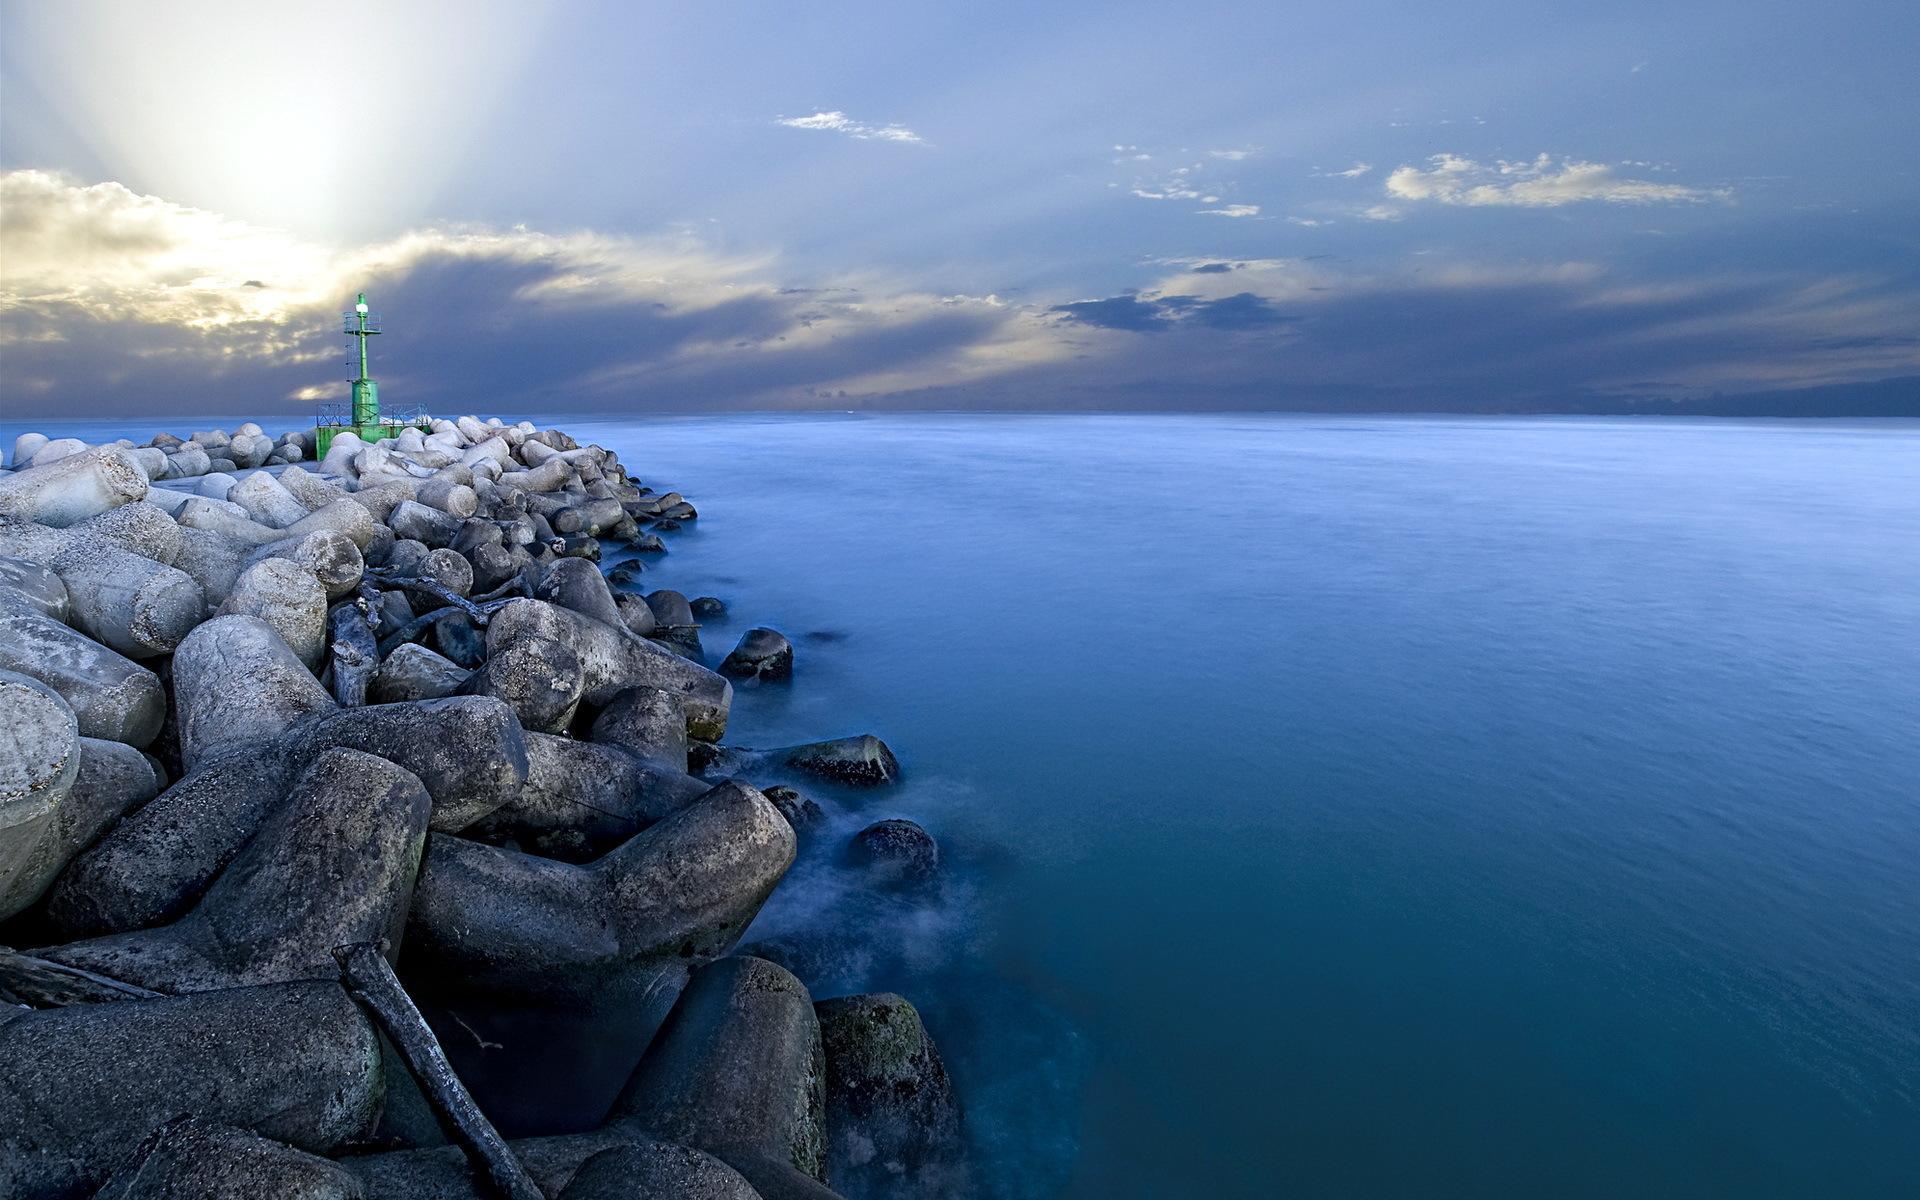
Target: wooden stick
x,y
356,652
369,977
38,983
479,613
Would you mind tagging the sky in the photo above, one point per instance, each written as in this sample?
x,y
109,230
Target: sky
x,y
622,206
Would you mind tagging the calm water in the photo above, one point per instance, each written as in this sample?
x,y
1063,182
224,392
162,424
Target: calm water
x,y
1359,807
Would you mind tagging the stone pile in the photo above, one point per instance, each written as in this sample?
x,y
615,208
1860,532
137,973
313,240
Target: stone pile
x,y
258,710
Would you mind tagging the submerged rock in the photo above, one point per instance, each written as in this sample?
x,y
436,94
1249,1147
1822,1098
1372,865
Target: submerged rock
x,y
707,608
864,761
897,851
763,654
892,1116
797,808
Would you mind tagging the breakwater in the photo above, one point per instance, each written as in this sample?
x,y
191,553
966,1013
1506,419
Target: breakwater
x,y
266,713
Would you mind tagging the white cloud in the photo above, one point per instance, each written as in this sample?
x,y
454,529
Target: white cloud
x,y
1382,212
1233,210
1307,222
1353,172
1231,155
1539,183
839,122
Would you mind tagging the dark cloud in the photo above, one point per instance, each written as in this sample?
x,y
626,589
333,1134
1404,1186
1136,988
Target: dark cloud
x,y
1215,268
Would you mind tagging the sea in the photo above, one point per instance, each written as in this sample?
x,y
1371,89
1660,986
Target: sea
x,y
1353,806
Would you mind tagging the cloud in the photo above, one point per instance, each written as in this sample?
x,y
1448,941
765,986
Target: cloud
x,y
110,300
1353,172
1539,183
1234,210
1154,313
839,122
1232,155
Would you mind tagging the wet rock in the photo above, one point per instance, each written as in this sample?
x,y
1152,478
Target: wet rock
x,y
443,1172
80,1086
648,543
235,680
670,608
334,865
576,584
582,800
287,597
612,659
657,1169
646,721
539,678
763,654
626,574
111,696
863,761
798,808
188,1159
738,1071
522,926
891,1111
413,672
897,851
707,608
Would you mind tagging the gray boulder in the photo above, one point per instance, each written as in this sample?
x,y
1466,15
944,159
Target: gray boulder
x,y
39,760
523,926
189,1159
863,761
111,696
468,751
235,681
539,678
892,1117
897,851
286,596
332,866
763,654
582,800
80,1086
413,672
646,721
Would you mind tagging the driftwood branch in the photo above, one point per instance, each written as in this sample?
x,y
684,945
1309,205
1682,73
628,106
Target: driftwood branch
x,y
477,612
369,977
38,983
356,651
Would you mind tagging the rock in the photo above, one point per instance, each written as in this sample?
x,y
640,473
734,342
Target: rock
x,y
35,586
539,678
80,1086
39,759
449,495
112,779
25,447
582,800
707,608
287,597
334,865
213,561
267,500
332,557
451,568
635,614
521,926
797,808
646,721
893,1120
455,637
188,1159
897,851
343,517
236,681
763,654
670,608
411,519
612,659
738,1071
77,486
681,511
111,696
136,605
863,761
468,751
626,574
152,866
577,584
413,672
657,1169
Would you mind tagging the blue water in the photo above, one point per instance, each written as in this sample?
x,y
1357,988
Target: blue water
x,y
1359,807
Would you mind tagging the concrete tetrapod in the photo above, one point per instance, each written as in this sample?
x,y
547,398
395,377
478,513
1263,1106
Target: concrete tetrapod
x,y
334,865
188,1159
738,1071
39,760
581,799
71,489
112,696
516,925
80,1086
236,680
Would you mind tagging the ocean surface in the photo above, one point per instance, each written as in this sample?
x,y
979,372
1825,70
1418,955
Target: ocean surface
x,y
1357,807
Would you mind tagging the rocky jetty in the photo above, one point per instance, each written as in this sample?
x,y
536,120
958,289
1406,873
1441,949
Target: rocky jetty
x,y
312,765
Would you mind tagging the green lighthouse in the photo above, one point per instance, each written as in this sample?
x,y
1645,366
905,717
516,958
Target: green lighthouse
x,y
363,413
